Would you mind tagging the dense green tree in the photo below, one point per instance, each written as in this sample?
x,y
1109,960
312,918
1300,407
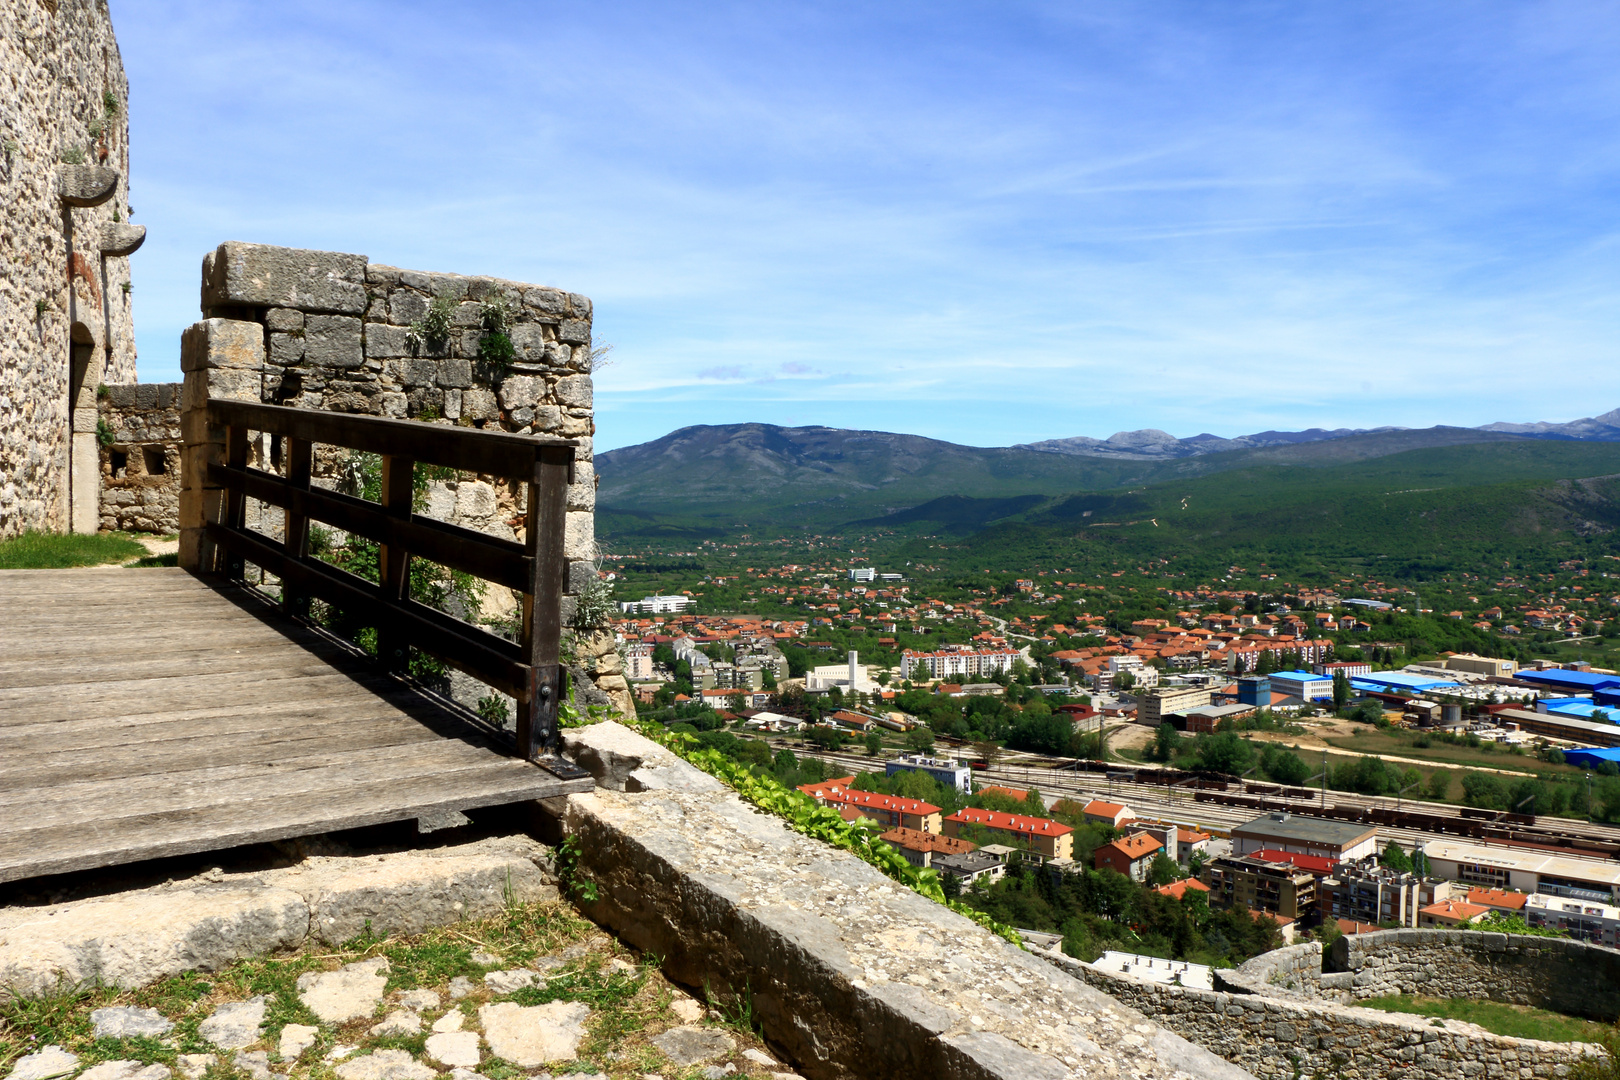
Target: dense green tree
x,y
1394,858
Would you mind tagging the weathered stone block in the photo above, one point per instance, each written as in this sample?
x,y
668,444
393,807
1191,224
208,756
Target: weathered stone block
x,y
455,374
410,372
333,341
384,341
582,492
546,301
391,403
479,405
580,305
518,391
405,306
529,342
579,535
467,314
132,939
266,276
286,350
547,420
574,331
283,320
452,404
221,343
558,354
574,391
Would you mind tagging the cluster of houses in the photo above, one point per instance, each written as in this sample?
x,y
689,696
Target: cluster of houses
x,y
1296,870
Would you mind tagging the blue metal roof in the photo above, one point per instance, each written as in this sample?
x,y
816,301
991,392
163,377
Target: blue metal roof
x,y
1570,680
1400,682
1590,759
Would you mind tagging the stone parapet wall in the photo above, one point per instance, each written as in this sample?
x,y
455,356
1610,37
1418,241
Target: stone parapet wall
x,y
1283,1039
1561,974
334,332
140,460
64,270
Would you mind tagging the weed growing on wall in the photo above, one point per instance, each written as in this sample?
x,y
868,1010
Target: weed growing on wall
x,y
495,341
432,331
819,822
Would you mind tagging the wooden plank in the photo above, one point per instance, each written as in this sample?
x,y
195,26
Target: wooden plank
x,y
227,784
468,449
172,749
108,730
295,527
61,849
393,562
18,674
537,705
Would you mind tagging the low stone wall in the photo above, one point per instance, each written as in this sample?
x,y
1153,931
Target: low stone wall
x,y
851,974
1280,1039
1567,976
140,466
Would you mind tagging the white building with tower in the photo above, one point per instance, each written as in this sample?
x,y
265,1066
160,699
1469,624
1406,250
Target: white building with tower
x,y
847,677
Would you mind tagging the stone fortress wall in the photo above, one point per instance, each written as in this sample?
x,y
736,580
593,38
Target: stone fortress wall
x,y
65,237
140,457
1282,1016
333,331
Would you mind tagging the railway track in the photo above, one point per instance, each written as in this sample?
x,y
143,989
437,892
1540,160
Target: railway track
x,y
1183,804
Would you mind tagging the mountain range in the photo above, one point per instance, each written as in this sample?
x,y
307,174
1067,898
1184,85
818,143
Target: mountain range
x,y
1153,444
710,480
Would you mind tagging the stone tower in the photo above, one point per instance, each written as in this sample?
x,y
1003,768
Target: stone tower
x,y
65,322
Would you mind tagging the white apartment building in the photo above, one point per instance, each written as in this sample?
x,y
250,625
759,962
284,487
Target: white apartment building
x,y
638,661
866,573
656,605
948,663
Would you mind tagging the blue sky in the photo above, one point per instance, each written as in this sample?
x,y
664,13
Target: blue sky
x,y
989,223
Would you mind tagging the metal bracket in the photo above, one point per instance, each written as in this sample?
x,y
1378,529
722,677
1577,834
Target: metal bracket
x,y
561,767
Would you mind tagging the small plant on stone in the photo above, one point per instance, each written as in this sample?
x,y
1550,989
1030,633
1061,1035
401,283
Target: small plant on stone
x,y
40,308
126,286
432,330
109,103
95,129
495,342
428,412
10,147
102,392
493,709
594,606
73,155
104,433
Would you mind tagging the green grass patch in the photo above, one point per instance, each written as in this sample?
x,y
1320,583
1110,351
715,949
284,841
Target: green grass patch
x,y
1400,744
58,551
170,559
1515,1021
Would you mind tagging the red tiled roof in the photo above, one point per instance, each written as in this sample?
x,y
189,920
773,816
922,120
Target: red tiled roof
x,y
1176,889
917,840
995,819
1104,809
1497,898
834,792
1454,909
1136,846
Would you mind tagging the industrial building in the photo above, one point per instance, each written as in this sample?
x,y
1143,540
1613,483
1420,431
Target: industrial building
x,y
1558,726
1526,870
1305,685
1156,706
1282,831
946,771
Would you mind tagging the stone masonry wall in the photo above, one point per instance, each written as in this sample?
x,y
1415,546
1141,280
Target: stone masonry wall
x,y
1280,1039
64,271
1564,975
140,467
336,335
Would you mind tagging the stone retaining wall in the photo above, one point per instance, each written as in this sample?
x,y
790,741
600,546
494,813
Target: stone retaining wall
x,y
140,466
1281,1039
1567,976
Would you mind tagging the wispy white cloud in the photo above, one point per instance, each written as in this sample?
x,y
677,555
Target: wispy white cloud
x,y
984,222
